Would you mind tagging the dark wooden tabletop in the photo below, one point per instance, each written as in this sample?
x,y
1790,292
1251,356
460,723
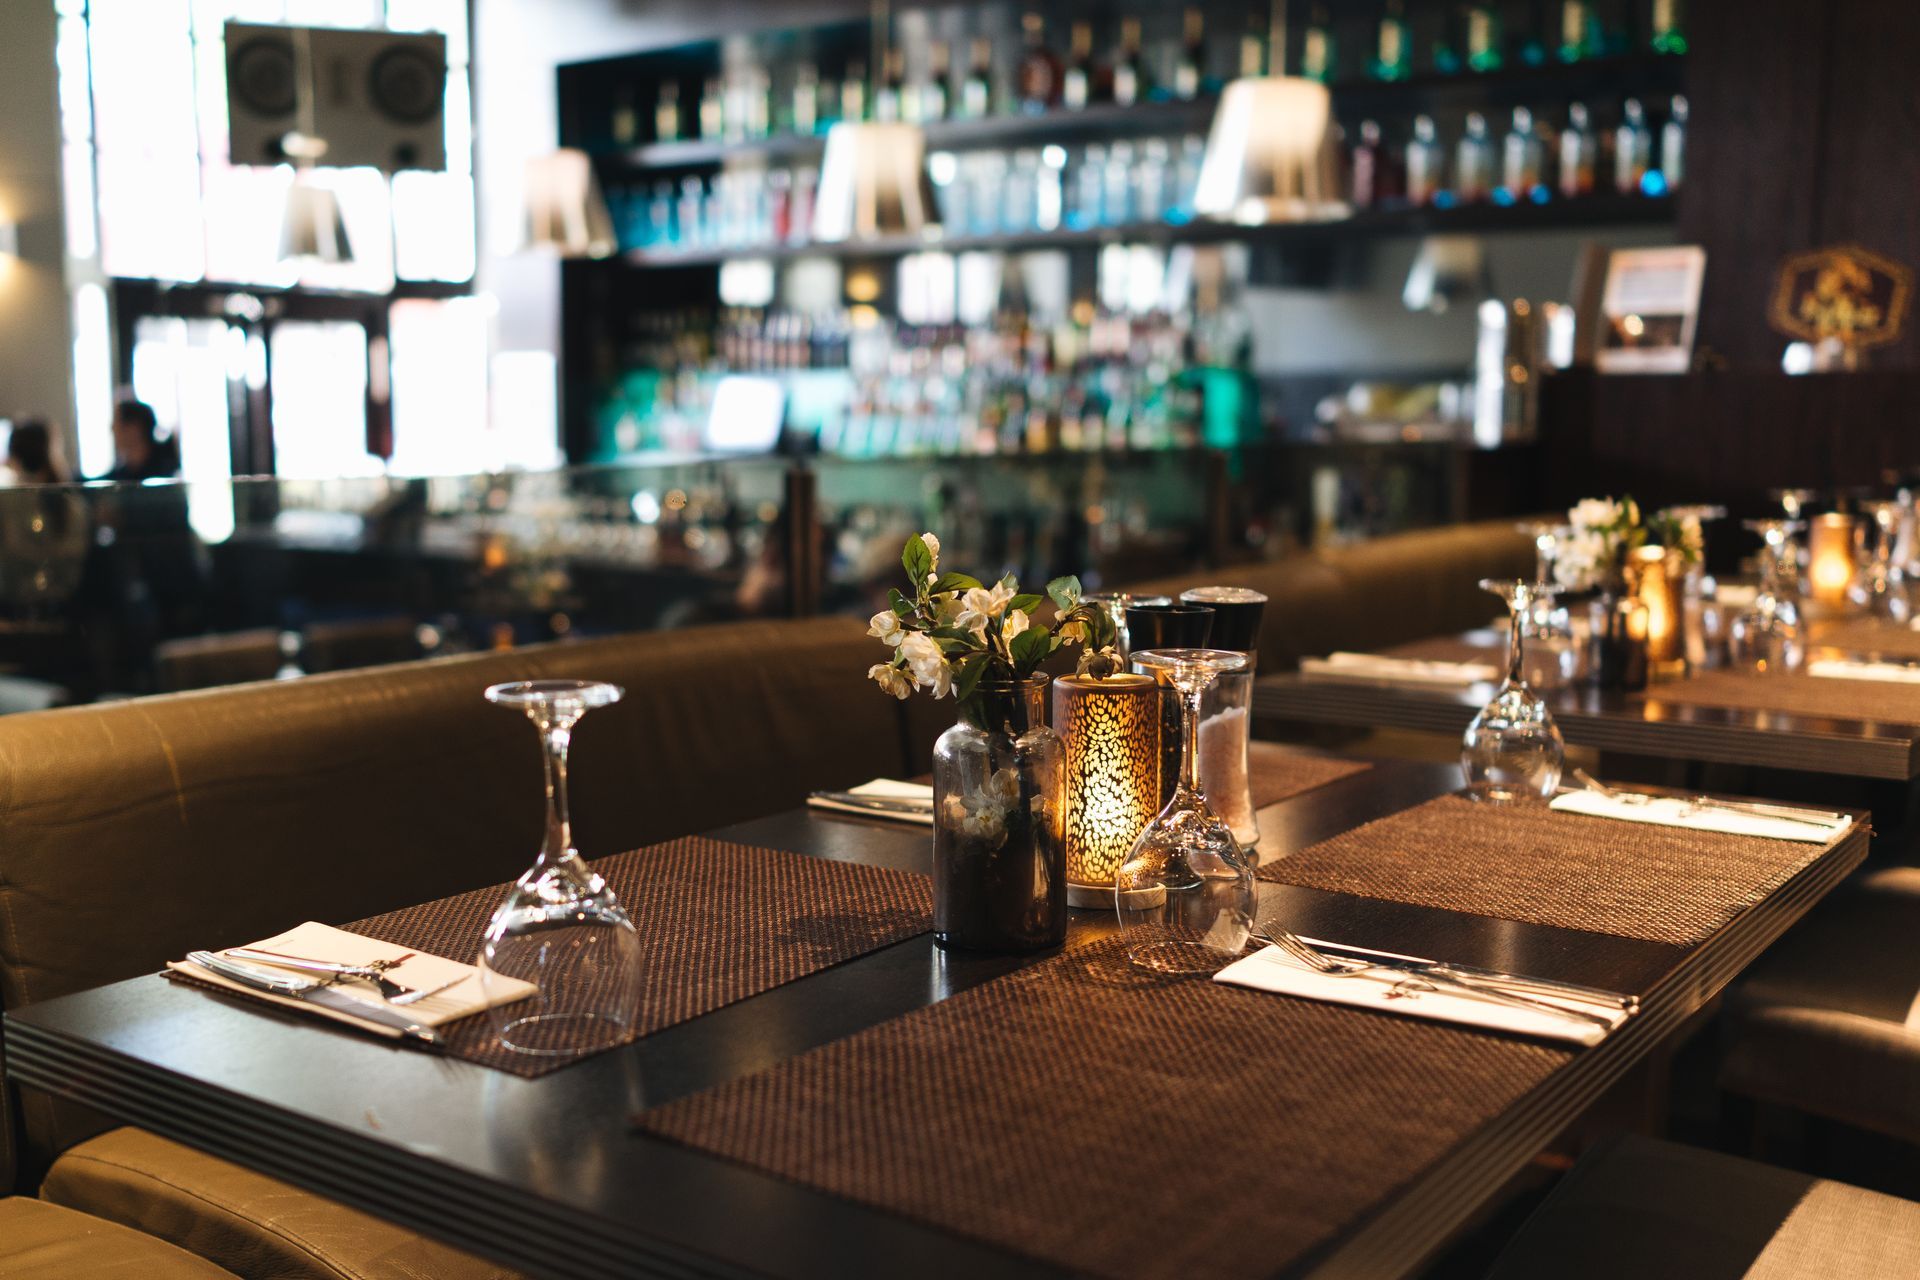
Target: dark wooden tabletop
x,y
547,1175
1609,721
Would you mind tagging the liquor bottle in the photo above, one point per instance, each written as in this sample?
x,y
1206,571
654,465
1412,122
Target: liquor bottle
x,y
756,95
712,108
1579,31
1129,80
1673,146
887,96
1039,78
1632,149
1190,72
1578,151
1393,53
1253,49
1523,155
1473,161
933,95
976,91
1317,48
806,100
1483,37
1076,87
1668,37
1375,181
625,123
853,93
666,114
1426,163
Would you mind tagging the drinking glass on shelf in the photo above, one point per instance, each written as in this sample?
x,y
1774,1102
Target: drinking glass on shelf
x,y
1185,893
561,929
1512,750
1766,637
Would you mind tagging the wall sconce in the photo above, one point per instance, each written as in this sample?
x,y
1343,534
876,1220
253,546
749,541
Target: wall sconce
x,y
566,212
1111,729
9,237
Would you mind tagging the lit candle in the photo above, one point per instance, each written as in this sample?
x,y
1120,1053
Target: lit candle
x,y
1658,590
1111,729
1830,558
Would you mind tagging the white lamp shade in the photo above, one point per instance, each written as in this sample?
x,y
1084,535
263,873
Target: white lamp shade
x,y
565,211
873,182
312,228
1270,154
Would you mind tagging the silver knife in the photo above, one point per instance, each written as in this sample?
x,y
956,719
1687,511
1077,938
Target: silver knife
x,y
1496,977
315,993
879,804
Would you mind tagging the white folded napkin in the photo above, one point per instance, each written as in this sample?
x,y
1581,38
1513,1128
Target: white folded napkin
x,y
420,971
1675,811
1271,969
1375,666
1736,595
1855,669
884,789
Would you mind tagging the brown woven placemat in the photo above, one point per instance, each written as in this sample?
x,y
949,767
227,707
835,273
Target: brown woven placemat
x,y
1884,701
1527,862
1117,1125
1275,773
718,922
1867,636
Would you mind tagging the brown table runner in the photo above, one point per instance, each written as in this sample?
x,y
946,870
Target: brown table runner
x,y
1529,863
1116,1125
1885,701
718,922
1864,636
1275,773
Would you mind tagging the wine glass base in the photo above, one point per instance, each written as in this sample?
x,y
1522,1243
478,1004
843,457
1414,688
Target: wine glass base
x,y
1175,959
563,1035
1502,793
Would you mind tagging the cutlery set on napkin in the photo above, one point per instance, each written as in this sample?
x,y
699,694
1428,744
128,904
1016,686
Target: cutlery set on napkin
x,y
1375,666
366,983
881,798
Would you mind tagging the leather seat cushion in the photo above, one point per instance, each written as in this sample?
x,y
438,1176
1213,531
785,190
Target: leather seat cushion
x,y
1828,1021
246,1222
1656,1211
40,1241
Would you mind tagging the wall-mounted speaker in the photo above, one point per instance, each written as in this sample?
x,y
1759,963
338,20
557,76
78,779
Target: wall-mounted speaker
x,y
379,97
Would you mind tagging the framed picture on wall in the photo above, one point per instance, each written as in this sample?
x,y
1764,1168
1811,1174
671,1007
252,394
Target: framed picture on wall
x,y
1649,308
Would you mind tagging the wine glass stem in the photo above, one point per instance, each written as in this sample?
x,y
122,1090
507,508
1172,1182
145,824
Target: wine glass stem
x,y
1190,738
1514,667
559,820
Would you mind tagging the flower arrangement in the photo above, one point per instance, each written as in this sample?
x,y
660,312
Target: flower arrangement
x,y
1603,532
952,632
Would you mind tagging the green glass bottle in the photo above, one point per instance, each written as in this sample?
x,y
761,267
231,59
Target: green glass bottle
x,y
1393,55
1317,53
1668,34
1483,37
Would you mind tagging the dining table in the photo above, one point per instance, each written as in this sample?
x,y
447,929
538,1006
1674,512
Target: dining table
x,y
894,1112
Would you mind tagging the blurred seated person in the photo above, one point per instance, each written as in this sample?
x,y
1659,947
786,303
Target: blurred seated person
x,y
43,535
138,453
30,455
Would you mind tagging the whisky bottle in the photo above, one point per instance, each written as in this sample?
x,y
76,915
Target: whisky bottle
x,y
1577,153
976,91
624,126
1426,163
1522,158
1668,36
853,93
1483,37
1253,50
1632,149
1040,72
1673,145
1473,161
933,95
1392,53
1129,80
1076,87
887,95
1190,73
1317,48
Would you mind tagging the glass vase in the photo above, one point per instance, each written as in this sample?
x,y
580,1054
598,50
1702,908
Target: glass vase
x,y
999,832
561,929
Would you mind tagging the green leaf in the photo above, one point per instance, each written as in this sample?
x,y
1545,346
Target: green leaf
x,y
953,582
970,672
1029,647
1065,593
955,633
900,605
1027,603
917,561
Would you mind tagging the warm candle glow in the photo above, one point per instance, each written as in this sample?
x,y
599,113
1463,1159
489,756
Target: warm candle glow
x,y
1112,733
1658,590
1830,557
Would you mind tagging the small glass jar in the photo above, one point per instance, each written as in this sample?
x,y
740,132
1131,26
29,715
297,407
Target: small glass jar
x,y
999,833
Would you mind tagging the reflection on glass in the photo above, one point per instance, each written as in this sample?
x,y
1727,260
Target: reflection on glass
x,y
1766,637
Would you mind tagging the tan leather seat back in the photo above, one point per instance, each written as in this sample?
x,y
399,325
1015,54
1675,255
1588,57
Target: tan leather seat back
x,y
133,832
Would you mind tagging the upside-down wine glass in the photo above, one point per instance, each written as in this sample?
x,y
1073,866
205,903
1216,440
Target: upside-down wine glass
x,y
1881,589
1553,651
1185,893
561,929
1766,637
1512,750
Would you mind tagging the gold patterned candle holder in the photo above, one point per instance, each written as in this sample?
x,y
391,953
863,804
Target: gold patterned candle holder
x,y
1112,732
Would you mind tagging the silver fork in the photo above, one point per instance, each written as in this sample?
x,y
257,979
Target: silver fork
x,y
375,973
1781,813
1319,961
412,996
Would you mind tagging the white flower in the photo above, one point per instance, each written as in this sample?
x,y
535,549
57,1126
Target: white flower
x,y
1594,513
1073,631
981,603
885,625
927,663
1016,622
891,679
933,547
